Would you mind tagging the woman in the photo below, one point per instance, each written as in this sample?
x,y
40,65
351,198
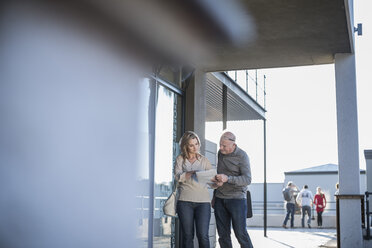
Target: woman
x,y
193,205
320,203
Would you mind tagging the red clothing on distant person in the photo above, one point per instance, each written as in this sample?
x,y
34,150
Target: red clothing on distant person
x,y
320,202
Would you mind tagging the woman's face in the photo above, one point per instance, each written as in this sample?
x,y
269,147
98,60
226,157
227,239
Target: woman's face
x,y
319,189
193,146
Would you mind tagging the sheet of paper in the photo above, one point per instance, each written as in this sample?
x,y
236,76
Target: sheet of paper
x,y
205,177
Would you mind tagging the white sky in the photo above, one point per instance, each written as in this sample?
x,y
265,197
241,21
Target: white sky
x,y
301,117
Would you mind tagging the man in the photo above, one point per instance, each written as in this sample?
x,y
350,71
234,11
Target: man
x,y
291,203
229,200
305,199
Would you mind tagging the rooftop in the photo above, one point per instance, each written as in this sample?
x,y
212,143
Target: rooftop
x,y
320,169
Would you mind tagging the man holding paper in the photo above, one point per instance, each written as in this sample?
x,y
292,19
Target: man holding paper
x,y
229,201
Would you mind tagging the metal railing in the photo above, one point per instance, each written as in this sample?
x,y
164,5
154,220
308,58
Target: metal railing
x,y
252,83
279,207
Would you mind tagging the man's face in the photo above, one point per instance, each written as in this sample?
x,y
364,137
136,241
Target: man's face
x,y
226,146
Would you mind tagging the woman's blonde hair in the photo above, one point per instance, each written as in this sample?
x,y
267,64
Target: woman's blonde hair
x,y
320,190
184,141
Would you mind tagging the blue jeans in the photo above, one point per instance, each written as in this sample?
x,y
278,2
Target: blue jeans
x,y
198,213
304,210
290,211
232,211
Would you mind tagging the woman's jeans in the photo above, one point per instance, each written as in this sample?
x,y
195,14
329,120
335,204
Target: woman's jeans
x,y
290,211
198,213
233,211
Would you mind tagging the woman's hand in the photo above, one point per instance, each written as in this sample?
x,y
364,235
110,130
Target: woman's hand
x,y
189,174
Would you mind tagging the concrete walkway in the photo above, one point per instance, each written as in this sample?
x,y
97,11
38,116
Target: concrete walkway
x,y
289,238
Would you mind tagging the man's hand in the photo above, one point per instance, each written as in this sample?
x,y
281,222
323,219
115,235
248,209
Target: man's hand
x,y
222,178
216,183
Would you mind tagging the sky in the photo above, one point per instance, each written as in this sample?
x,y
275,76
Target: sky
x,y
301,113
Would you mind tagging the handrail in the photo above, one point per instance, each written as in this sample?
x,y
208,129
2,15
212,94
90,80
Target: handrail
x,y
258,85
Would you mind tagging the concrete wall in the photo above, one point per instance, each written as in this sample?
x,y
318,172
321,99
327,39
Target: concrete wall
x,y
274,191
276,220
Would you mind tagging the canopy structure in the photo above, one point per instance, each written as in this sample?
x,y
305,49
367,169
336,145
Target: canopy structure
x,y
240,106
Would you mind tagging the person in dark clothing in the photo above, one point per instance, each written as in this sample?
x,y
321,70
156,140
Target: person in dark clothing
x,y
229,201
291,204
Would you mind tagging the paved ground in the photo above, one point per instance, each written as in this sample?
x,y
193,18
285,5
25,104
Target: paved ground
x,y
290,238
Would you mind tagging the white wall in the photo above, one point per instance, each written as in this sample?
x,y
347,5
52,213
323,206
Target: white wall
x,y
274,191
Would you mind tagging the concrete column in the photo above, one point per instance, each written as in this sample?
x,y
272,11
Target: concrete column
x,y
368,157
195,116
348,156
196,106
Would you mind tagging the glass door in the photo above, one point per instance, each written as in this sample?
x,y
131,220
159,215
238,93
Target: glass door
x,y
161,125
167,135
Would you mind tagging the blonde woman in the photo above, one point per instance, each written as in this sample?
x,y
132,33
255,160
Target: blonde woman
x,y
193,206
320,203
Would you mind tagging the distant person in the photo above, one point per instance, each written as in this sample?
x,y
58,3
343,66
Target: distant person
x,y
289,194
305,200
320,204
193,205
229,201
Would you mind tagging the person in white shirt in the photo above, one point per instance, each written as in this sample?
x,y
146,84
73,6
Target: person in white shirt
x,y
305,200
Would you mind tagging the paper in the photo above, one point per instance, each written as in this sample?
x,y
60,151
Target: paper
x,y
205,177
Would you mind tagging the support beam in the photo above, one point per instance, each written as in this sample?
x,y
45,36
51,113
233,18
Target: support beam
x,y
265,184
348,155
196,107
224,106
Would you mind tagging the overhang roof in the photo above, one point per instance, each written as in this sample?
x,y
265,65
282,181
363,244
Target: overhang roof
x,y
222,35
288,33
240,106
218,35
